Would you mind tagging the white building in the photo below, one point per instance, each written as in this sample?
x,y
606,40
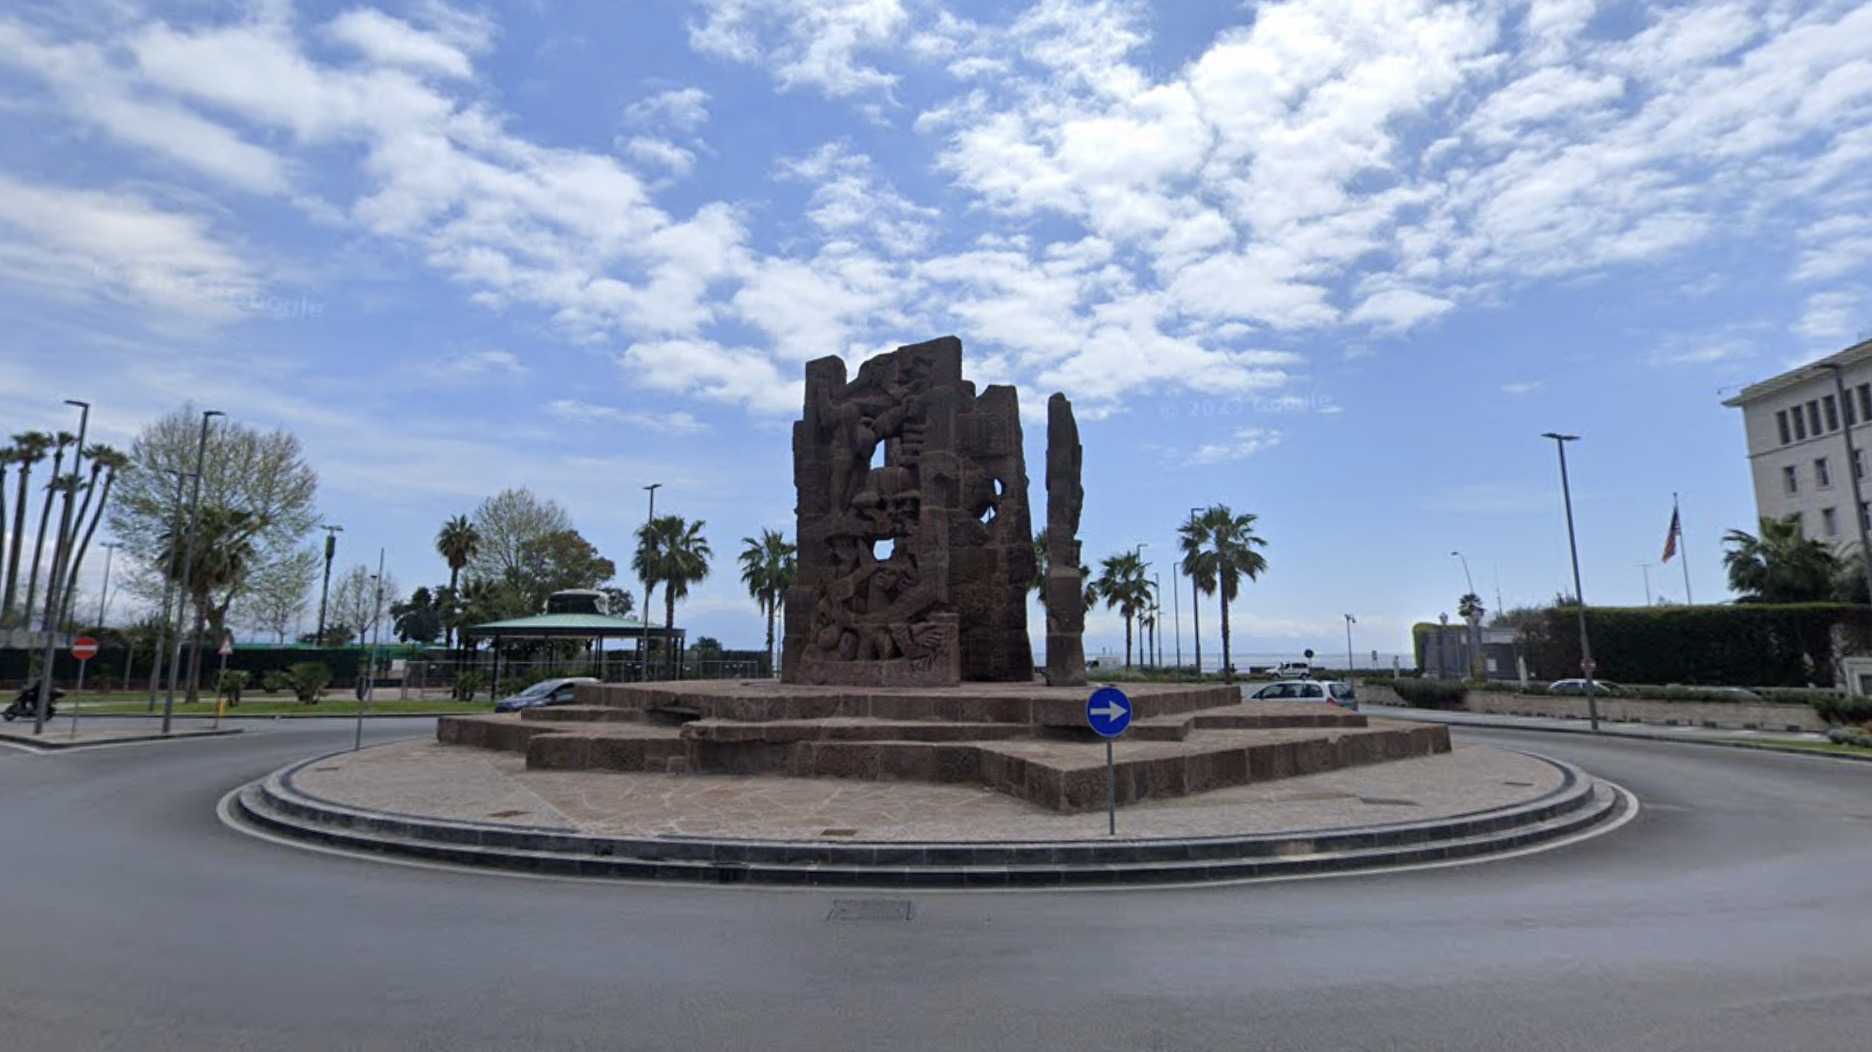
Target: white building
x,y
1797,431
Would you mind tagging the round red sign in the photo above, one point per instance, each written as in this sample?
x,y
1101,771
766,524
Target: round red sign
x,y
84,648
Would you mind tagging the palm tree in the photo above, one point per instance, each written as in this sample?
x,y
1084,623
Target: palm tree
x,y
1122,584
108,462
1779,566
672,552
224,552
53,487
29,448
1219,550
457,542
769,566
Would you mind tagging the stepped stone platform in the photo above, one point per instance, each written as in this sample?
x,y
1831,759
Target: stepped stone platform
x,y
1025,740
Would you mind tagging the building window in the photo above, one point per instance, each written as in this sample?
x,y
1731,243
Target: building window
x,y
1823,475
1813,418
1800,523
1865,515
1846,410
1832,412
1781,425
1829,522
1800,424
1790,480
1865,402
1858,463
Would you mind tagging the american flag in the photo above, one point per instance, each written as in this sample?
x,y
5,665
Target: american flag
x,y
1670,539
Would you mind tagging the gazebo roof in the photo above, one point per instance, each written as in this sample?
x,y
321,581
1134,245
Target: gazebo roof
x,y
566,626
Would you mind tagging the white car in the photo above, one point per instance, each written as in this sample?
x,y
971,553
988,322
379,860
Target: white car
x,y
545,692
1330,691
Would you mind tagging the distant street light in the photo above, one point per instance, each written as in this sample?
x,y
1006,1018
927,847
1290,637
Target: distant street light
x,y
1579,594
55,586
1852,471
331,549
1473,663
1137,553
1350,662
168,599
643,633
110,550
1196,609
1646,567
188,565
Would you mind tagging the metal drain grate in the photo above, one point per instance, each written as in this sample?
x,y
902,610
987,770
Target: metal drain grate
x,y
871,910
838,832
1385,801
504,814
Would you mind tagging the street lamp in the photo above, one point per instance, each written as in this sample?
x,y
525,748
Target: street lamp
x,y
1646,568
331,549
1474,661
643,634
1579,594
1137,554
1852,469
55,585
110,551
1196,608
1350,662
188,565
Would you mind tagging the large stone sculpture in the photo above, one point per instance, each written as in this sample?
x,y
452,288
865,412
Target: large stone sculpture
x,y
915,549
1064,587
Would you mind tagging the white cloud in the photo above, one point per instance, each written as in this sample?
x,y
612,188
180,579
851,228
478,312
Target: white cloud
x,y
810,43
659,153
1244,442
482,363
682,109
676,423
1838,316
1517,388
394,42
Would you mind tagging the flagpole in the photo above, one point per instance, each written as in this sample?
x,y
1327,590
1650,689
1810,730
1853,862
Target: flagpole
x,y
1682,553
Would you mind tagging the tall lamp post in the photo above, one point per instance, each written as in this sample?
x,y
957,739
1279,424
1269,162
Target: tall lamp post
x,y
1852,470
188,565
1646,569
1196,609
1350,662
1137,552
331,549
1579,594
55,585
1474,661
103,601
643,634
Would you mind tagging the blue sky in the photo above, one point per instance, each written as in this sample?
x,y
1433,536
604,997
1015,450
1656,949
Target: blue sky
x,y
1335,262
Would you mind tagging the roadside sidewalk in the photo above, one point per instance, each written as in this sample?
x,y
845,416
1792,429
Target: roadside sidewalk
x,y
1759,740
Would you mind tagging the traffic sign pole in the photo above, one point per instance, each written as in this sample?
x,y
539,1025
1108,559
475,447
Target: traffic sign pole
x,y
84,648
1108,713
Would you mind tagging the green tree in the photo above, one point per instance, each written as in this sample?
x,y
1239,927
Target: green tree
x,y
417,619
504,525
106,463
557,561
458,542
29,448
56,485
1218,551
225,550
1122,584
1780,565
769,566
276,593
673,553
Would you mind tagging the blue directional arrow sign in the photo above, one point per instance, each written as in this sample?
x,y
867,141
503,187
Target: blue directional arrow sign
x,y
1108,711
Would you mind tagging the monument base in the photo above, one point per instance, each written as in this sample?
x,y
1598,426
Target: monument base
x,y
1026,740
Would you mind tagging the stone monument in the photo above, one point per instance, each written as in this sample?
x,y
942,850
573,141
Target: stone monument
x,y
1064,587
915,541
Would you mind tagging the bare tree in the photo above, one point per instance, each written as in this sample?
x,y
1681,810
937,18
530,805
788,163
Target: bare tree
x,y
277,594
506,524
356,602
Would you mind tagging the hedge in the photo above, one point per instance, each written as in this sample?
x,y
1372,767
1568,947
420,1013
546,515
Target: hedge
x,y
1789,645
1431,693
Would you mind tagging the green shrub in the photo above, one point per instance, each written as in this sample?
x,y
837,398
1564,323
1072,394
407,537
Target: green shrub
x,y
274,682
1844,708
308,680
466,686
1432,693
232,682
1753,643
1860,736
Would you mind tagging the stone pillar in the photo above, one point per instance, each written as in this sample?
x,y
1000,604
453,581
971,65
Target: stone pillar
x,y
1064,589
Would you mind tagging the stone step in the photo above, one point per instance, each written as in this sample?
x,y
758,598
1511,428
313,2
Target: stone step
x,y
581,714
765,701
848,728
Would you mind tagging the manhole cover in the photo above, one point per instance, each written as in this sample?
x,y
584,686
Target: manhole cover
x,y
331,768
504,814
871,910
838,832
1385,801
1524,785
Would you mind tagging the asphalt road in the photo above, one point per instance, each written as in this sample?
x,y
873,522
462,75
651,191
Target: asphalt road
x,y
1730,915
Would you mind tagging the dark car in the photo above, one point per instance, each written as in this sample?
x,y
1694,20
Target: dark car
x,y
1602,687
545,692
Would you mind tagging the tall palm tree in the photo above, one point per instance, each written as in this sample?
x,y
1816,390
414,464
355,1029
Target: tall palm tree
x,y
1780,565
1219,550
457,542
1122,584
29,448
107,462
769,566
672,552
53,487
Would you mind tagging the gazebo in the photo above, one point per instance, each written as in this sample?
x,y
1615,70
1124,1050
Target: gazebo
x,y
565,621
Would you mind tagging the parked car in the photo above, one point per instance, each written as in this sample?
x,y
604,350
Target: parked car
x,y
1723,693
545,692
1293,670
1602,687
1330,691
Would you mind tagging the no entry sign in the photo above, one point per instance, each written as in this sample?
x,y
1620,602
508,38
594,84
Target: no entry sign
x,y
84,648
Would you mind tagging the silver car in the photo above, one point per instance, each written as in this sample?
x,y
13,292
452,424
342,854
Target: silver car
x,y
1330,691
545,692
